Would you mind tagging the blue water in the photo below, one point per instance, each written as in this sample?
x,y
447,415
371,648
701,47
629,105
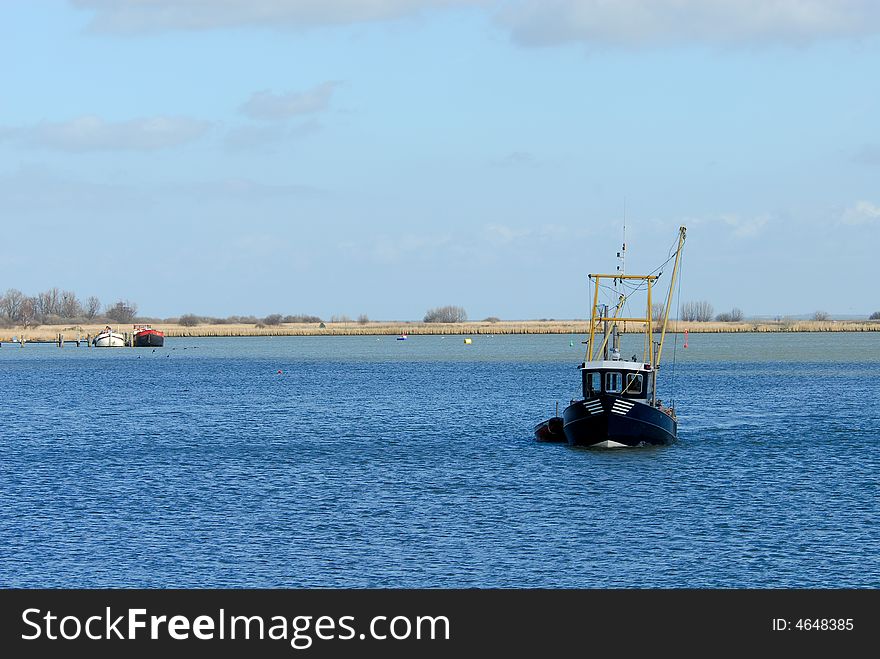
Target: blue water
x,y
380,463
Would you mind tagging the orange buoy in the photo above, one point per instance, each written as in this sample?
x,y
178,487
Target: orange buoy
x,y
685,338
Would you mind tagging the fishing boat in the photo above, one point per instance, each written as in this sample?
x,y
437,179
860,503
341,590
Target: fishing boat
x,y
147,337
107,338
402,337
620,406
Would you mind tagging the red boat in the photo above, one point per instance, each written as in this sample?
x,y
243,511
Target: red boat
x,y
147,337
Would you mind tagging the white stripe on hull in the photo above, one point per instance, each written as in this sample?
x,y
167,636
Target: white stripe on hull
x,y
594,407
622,407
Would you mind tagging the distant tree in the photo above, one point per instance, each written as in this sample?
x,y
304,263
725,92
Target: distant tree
x,y
11,303
301,318
121,312
71,308
27,313
874,316
492,319
340,319
48,303
273,320
735,315
243,320
93,306
657,311
700,311
363,319
447,314
189,320
821,315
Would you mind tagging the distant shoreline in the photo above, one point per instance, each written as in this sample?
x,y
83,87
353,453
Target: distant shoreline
x,y
50,333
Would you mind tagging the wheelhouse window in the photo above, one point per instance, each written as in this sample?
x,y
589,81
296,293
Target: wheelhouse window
x,y
613,382
634,384
592,383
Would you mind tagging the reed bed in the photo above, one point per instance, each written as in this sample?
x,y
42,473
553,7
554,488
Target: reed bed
x,y
580,327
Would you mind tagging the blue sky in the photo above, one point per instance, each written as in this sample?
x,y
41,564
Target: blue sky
x,y
384,157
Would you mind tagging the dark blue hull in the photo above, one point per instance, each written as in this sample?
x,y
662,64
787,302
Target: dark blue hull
x,y
615,421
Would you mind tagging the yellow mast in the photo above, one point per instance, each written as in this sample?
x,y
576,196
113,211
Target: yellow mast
x,y
681,235
589,354
648,355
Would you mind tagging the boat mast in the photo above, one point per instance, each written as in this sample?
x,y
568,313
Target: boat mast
x,y
593,321
681,236
649,331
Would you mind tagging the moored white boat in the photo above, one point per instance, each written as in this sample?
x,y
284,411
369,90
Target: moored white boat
x,y
109,339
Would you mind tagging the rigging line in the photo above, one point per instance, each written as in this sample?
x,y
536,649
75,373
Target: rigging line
x,y
662,265
670,254
633,288
643,284
615,299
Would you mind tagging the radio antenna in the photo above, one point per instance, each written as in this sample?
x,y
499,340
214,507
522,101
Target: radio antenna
x,y
621,255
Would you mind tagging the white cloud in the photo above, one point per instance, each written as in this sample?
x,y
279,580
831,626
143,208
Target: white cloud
x,y
638,23
36,188
268,106
92,133
622,23
500,235
387,250
267,138
140,16
487,242
863,212
243,190
746,227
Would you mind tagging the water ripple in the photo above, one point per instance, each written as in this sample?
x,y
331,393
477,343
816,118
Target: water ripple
x,y
374,464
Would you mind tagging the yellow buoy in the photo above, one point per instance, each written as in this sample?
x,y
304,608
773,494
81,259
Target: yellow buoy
x,y
468,341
